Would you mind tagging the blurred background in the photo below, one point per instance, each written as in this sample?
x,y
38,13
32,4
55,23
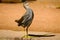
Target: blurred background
x,y
12,1
46,15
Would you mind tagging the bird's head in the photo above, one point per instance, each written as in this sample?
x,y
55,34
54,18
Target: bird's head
x,y
26,5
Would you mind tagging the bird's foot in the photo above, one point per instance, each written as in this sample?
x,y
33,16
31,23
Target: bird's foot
x,y
27,36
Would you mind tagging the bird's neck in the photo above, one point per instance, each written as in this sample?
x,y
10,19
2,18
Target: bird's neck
x,y
26,7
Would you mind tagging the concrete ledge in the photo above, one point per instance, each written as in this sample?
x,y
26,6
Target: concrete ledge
x,y
16,35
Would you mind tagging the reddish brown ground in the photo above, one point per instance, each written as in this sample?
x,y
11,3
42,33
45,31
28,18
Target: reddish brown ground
x,y
45,18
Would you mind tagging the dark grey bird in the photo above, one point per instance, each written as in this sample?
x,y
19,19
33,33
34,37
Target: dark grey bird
x,y
26,20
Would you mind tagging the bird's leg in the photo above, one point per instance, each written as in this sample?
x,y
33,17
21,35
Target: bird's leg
x,y
27,32
24,31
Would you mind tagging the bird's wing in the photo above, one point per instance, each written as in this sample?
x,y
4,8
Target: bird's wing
x,y
25,17
20,20
28,15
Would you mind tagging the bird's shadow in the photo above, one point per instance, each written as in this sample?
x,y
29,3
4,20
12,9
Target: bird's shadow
x,y
40,35
33,35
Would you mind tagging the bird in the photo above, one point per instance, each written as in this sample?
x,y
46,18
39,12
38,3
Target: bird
x,y
26,20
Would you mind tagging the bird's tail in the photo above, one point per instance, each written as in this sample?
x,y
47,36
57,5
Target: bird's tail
x,y
19,24
16,21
